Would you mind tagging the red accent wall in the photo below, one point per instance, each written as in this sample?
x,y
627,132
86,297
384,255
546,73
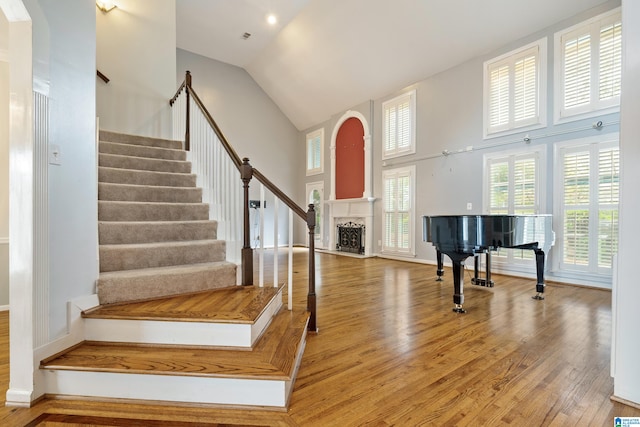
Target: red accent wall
x,y
350,160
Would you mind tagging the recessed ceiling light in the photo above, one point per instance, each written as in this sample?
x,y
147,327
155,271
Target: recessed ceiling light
x,y
271,19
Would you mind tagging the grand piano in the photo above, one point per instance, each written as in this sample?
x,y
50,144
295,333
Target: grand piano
x,y
462,236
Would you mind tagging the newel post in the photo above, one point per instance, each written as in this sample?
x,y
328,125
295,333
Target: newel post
x,y
246,173
187,90
311,296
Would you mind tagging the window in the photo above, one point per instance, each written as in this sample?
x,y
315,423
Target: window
x,y
515,90
588,184
398,125
315,152
588,67
398,220
513,183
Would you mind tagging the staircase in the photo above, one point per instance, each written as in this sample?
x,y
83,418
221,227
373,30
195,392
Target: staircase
x,y
171,325
156,238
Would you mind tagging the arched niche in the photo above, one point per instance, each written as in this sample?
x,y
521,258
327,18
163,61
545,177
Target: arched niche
x,y
351,117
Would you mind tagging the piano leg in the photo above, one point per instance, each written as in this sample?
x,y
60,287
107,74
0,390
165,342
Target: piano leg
x,y
540,273
477,280
440,271
458,281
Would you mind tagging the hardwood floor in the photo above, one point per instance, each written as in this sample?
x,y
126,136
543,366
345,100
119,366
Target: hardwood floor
x,y
391,352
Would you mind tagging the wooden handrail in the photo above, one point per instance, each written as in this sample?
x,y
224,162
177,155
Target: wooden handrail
x,y
247,172
178,92
280,194
102,76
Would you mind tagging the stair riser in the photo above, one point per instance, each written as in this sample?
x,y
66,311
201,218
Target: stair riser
x,y
170,388
117,289
123,211
141,163
140,193
139,140
116,258
126,176
142,151
146,232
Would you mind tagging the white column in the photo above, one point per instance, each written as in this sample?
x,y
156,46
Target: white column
x,y
21,367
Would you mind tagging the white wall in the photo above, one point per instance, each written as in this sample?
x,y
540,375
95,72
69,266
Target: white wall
x,y
67,31
449,115
254,126
136,49
4,161
626,294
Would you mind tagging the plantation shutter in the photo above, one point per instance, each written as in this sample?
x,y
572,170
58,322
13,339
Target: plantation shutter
x,y
610,60
499,187
513,91
397,206
577,71
525,90
608,198
398,125
499,96
524,183
313,159
576,207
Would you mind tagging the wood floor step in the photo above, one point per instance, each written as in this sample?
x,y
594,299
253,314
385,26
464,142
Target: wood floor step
x,y
148,193
125,232
160,254
232,317
262,377
141,151
143,163
109,136
234,304
132,176
271,358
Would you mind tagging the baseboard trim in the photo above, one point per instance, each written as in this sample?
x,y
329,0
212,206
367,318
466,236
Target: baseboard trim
x,y
625,402
19,398
4,240
4,307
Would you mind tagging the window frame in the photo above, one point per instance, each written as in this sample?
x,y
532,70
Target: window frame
x,y
509,59
521,262
595,145
398,100
594,107
310,138
397,172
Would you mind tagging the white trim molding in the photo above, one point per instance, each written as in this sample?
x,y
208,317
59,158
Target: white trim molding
x,y
4,240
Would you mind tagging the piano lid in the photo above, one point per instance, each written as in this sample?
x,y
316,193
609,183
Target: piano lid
x,y
469,233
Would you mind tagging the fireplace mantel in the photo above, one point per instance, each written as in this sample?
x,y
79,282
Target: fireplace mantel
x,y
352,209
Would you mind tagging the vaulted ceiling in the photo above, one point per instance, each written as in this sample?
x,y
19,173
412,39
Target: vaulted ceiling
x,y
325,56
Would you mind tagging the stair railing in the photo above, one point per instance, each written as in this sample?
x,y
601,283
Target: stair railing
x,y
225,178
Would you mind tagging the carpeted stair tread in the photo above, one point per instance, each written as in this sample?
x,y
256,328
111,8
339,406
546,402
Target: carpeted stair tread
x,y
132,176
139,140
124,232
109,191
141,151
151,211
149,283
143,163
160,254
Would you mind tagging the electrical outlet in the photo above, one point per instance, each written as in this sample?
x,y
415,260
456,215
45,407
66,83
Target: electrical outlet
x,y
469,206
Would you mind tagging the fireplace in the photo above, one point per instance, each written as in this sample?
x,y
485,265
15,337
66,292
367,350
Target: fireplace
x,y
358,212
350,238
